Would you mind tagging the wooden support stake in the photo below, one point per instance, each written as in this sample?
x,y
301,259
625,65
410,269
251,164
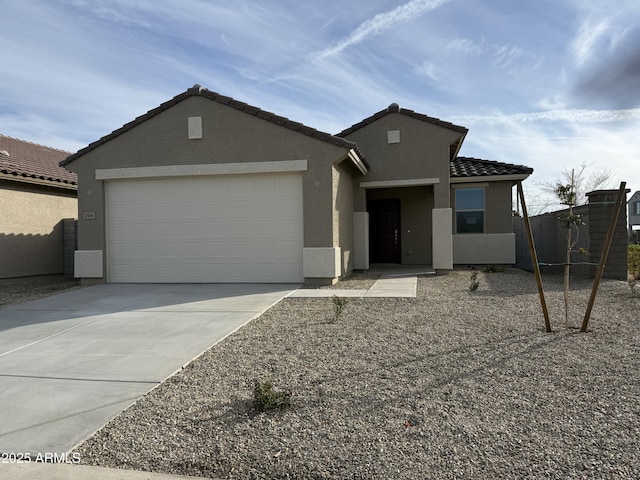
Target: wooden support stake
x,y
534,258
605,254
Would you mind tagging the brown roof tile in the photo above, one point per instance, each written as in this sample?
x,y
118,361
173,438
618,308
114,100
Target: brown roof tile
x,y
26,161
395,108
216,97
474,167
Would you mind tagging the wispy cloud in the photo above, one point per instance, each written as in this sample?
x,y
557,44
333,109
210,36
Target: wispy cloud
x,y
381,23
580,116
465,46
600,27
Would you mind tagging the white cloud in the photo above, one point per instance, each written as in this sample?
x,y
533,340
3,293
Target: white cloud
x,y
550,142
381,23
429,70
465,46
582,116
601,26
506,55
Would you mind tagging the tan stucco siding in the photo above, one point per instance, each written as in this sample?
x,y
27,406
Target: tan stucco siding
x,y
343,179
499,207
229,136
31,232
423,152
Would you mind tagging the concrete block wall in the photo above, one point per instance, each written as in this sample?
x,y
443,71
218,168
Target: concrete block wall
x,y
550,238
70,245
601,210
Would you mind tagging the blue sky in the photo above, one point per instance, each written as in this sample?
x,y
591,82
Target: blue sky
x,y
550,84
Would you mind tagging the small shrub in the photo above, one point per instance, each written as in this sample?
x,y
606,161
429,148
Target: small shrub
x,y
267,399
494,269
475,283
633,283
633,260
339,304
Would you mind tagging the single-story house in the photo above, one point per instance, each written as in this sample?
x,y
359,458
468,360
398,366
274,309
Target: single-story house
x,y
205,188
36,194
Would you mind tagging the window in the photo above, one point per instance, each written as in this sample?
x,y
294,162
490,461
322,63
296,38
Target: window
x,y
469,210
636,208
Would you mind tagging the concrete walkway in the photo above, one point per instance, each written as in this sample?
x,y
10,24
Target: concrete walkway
x,y
396,281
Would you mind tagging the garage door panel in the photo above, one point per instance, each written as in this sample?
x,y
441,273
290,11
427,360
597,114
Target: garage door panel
x,y
245,228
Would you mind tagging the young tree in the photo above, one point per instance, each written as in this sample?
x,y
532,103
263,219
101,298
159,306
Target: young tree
x,y
567,194
584,179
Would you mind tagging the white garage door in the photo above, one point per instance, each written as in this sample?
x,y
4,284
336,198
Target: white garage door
x,y
241,228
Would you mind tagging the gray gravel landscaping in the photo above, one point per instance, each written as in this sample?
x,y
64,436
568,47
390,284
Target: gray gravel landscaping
x,y
24,289
451,384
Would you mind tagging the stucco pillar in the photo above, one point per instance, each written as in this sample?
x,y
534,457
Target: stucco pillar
x,y
442,239
361,240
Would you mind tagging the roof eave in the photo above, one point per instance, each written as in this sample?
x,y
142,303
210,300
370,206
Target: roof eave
x,y
490,178
38,181
357,161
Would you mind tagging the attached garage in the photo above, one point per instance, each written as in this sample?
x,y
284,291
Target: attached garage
x,y
212,228
206,189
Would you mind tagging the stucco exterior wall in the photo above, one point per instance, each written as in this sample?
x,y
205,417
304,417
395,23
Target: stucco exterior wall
x,y
229,136
423,152
343,179
31,230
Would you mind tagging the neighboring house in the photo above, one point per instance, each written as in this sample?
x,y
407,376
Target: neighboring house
x,y
36,193
205,188
634,217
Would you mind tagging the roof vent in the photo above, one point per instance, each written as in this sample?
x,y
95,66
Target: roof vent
x,y
393,108
4,153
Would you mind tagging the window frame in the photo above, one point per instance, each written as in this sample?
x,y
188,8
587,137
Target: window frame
x,y
464,210
636,208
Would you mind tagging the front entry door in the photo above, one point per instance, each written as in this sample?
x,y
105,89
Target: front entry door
x,y
384,230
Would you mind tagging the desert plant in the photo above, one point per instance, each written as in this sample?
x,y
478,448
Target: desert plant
x,y
474,283
494,269
339,304
268,399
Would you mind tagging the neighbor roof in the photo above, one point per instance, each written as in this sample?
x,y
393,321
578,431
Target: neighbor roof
x,y
24,161
462,167
216,97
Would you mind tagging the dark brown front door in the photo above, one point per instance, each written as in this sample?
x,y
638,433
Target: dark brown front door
x,y
384,230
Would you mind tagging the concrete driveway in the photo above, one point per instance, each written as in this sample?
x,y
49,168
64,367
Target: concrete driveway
x,y
71,362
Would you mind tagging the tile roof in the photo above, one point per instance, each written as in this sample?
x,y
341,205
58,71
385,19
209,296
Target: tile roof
x,y
462,167
395,108
197,90
29,162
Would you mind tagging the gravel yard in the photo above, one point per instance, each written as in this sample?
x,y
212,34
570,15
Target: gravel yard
x,y
24,289
452,384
